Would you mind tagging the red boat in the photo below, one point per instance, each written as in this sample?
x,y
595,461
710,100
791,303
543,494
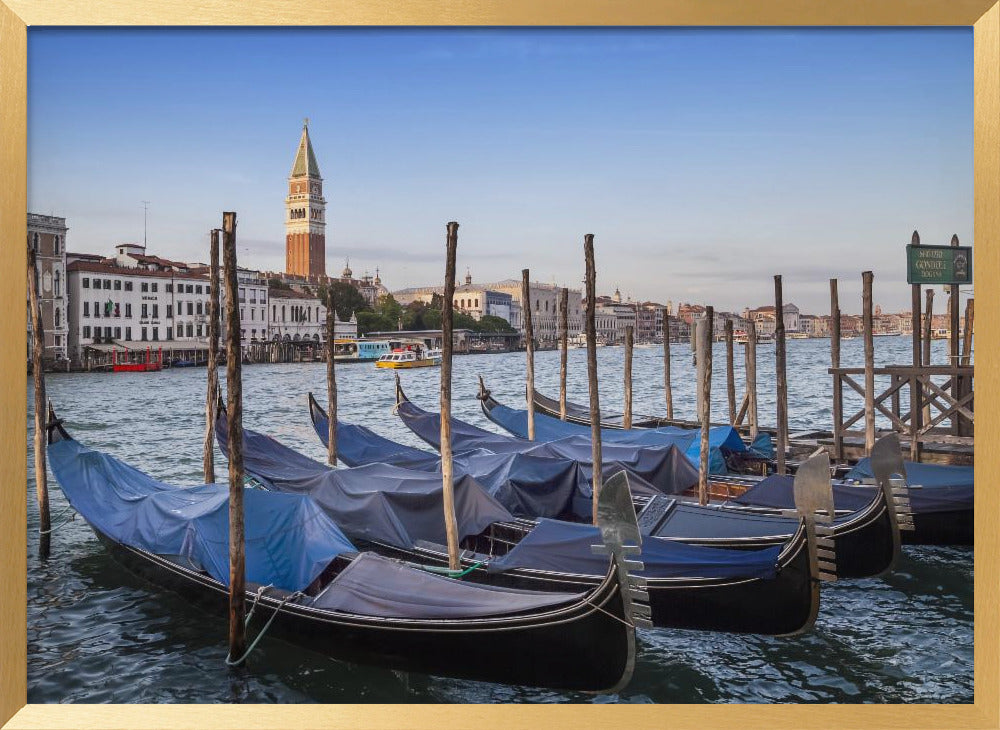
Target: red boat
x,y
130,365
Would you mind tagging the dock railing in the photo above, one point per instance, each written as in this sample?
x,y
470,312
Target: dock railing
x,y
944,393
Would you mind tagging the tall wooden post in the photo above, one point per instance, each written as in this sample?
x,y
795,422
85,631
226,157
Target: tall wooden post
x,y
212,397
667,392
705,394
697,327
779,368
838,385
916,388
590,327
331,376
234,412
928,324
529,337
629,337
970,313
953,340
564,348
866,319
447,347
751,373
41,406
730,372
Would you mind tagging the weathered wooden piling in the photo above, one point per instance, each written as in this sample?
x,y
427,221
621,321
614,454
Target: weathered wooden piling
x,y
234,413
212,367
751,375
331,376
705,406
780,375
447,348
970,313
916,388
629,342
927,333
41,406
667,392
529,341
563,349
866,320
730,372
590,328
928,324
838,385
697,326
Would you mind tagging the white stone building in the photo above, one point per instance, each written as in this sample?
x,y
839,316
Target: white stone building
x,y
134,300
296,316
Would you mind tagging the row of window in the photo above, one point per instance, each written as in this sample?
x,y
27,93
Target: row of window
x,y
116,332
460,303
113,309
144,286
297,313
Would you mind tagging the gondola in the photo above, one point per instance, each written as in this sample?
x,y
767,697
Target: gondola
x,y
868,539
359,607
726,447
576,413
771,591
940,498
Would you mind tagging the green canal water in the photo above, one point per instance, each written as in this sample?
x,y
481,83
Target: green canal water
x,y
98,634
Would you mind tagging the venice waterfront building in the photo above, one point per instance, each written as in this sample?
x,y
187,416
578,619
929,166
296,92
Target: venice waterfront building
x,y
47,238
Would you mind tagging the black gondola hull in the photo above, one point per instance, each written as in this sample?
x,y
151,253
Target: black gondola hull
x,y
580,648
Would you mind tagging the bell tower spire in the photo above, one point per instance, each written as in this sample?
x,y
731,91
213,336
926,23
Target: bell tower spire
x,y
305,213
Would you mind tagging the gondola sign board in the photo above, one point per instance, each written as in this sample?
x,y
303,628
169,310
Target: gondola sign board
x,y
938,265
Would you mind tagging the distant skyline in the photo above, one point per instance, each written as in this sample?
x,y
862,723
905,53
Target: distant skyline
x,y
704,160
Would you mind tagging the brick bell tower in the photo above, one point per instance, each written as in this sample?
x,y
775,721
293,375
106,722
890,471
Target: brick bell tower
x,y
305,214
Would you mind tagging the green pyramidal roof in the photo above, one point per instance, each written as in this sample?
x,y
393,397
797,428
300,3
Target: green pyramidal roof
x,y
305,160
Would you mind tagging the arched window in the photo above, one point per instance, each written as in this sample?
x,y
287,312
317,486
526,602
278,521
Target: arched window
x,y
55,285
282,312
34,242
57,318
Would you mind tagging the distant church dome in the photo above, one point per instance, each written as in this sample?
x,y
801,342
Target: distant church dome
x,y
347,273
378,279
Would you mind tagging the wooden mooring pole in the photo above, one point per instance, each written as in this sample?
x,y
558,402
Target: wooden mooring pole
x,y
234,413
751,375
590,327
41,407
966,359
447,348
212,396
529,341
779,372
867,325
927,333
331,376
563,349
667,392
705,406
629,342
916,388
953,342
730,373
838,385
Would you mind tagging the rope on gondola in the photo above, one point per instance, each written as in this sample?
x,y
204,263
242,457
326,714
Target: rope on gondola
x,y
57,526
235,662
448,571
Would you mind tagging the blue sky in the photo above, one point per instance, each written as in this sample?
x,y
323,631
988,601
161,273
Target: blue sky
x,y
704,161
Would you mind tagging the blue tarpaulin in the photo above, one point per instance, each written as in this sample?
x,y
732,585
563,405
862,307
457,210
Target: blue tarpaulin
x,y
933,487
663,468
289,539
379,502
687,440
565,547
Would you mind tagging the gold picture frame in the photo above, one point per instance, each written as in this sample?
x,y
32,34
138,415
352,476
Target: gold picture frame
x,y
16,15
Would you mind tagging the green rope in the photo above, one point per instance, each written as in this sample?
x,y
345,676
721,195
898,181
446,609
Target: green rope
x,y
55,527
448,571
235,662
